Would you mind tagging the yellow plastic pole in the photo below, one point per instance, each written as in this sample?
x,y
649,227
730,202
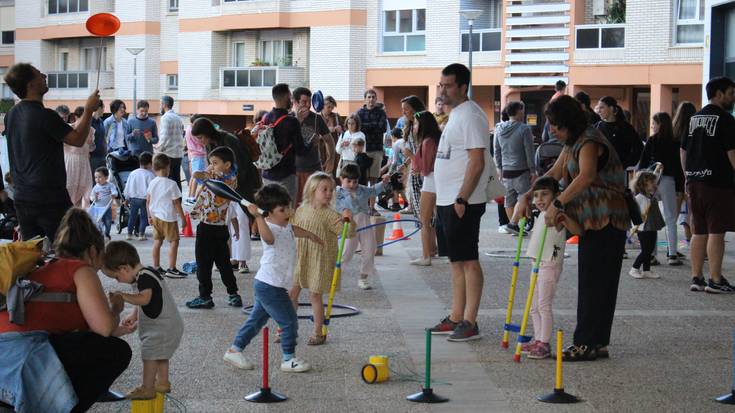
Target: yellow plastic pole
x,y
513,280
335,275
529,298
559,384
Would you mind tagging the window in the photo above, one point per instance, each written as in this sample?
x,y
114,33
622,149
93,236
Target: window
x,y
404,30
64,61
486,29
238,54
71,80
67,6
173,5
604,36
172,82
277,52
90,56
9,37
249,77
689,22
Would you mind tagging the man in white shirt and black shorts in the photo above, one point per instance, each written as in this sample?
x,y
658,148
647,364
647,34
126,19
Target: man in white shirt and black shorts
x,y
461,175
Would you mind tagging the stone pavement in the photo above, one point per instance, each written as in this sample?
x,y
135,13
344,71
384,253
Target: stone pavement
x,y
671,349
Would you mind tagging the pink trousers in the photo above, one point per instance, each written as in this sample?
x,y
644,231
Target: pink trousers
x,y
543,297
366,239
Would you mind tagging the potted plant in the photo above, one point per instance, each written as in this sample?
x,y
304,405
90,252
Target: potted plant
x,y
616,12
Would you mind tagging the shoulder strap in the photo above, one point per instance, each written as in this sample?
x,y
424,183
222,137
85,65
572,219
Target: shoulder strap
x,y
274,124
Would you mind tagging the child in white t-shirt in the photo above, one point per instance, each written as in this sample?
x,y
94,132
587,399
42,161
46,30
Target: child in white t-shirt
x,y
344,148
164,207
274,278
136,193
545,190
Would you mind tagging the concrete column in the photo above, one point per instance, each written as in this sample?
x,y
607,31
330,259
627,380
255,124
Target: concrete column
x,y
661,99
431,97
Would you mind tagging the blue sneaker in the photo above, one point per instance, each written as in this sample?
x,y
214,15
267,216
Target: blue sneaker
x,y
234,300
200,302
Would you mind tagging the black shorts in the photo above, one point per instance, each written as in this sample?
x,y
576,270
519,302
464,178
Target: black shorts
x,y
462,234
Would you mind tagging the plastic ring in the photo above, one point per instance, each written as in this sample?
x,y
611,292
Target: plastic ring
x,y
352,311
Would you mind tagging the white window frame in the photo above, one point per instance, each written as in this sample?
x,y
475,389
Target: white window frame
x,y
277,48
173,5
698,20
397,32
55,10
234,54
172,81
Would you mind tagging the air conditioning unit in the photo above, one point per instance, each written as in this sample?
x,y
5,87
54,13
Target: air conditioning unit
x,y
598,7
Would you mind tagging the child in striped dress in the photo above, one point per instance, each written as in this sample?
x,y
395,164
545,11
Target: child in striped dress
x,y
315,263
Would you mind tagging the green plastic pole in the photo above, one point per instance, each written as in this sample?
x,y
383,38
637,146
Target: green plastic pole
x,y
427,384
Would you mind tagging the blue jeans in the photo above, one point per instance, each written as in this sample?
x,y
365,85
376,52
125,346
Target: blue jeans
x,y
270,302
138,218
107,221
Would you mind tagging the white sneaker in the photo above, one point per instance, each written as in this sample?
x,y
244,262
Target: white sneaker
x,y
237,359
129,237
295,365
421,262
364,284
503,230
635,273
650,274
142,238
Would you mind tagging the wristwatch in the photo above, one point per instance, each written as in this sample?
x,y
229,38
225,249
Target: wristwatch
x,y
460,201
558,205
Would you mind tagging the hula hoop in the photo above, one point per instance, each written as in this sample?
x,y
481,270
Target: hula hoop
x,y
353,311
405,237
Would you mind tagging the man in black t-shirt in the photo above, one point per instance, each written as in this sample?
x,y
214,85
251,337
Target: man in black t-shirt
x,y
708,159
36,137
289,141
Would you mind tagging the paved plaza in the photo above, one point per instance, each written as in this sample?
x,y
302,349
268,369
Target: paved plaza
x,y
671,349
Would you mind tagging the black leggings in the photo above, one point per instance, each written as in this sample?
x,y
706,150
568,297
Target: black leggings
x,y
210,248
648,246
92,363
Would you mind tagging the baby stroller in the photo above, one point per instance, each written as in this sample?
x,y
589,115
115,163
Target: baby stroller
x,y
121,164
97,212
546,154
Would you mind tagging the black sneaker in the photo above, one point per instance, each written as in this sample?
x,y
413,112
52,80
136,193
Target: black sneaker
x,y
698,284
513,228
161,271
175,273
723,287
465,332
446,326
674,260
234,300
200,302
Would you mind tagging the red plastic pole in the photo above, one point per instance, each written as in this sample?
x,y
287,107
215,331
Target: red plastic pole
x,y
265,357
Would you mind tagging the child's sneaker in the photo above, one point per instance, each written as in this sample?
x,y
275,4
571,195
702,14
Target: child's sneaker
x,y
527,347
200,302
364,284
722,287
175,273
650,274
295,365
636,273
540,351
698,284
465,332
238,360
446,326
234,300
244,269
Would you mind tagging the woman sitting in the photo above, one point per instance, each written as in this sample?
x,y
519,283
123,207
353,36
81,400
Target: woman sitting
x,y
83,332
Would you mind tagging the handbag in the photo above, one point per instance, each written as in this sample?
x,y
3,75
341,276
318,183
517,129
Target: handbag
x,y
494,188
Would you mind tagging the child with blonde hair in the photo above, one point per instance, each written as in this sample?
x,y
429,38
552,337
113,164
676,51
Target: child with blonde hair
x,y
644,187
315,263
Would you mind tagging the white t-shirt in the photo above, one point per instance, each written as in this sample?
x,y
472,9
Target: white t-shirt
x,y
279,259
346,152
137,184
554,246
466,129
163,192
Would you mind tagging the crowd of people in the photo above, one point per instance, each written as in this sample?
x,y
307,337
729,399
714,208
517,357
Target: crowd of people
x,y
310,177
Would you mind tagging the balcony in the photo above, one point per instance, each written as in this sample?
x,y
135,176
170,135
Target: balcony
x,y
75,85
484,40
600,36
258,79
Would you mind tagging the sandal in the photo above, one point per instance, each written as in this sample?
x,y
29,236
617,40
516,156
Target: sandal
x,y
163,387
603,353
579,353
141,393
317,340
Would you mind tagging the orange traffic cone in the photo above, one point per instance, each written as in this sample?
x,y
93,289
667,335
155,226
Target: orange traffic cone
x,y
573,240
397,232
187,231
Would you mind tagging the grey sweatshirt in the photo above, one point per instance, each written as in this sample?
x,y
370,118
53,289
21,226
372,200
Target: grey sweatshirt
x,y
513,146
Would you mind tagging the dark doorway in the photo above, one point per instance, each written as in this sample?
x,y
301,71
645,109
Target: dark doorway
x,y
535,103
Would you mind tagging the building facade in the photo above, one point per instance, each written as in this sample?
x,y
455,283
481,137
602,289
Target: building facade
x,y
219,57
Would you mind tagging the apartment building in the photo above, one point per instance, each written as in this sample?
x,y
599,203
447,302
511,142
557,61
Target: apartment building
x,y
719,52
220,57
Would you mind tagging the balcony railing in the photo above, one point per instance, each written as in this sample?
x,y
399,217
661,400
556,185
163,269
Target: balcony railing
x,y
261,76
69,80
483,40
600,36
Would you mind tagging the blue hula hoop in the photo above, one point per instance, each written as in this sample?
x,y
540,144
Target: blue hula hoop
x,y
385,244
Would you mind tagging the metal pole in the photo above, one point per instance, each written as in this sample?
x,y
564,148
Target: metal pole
x,y
469,88
135,82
